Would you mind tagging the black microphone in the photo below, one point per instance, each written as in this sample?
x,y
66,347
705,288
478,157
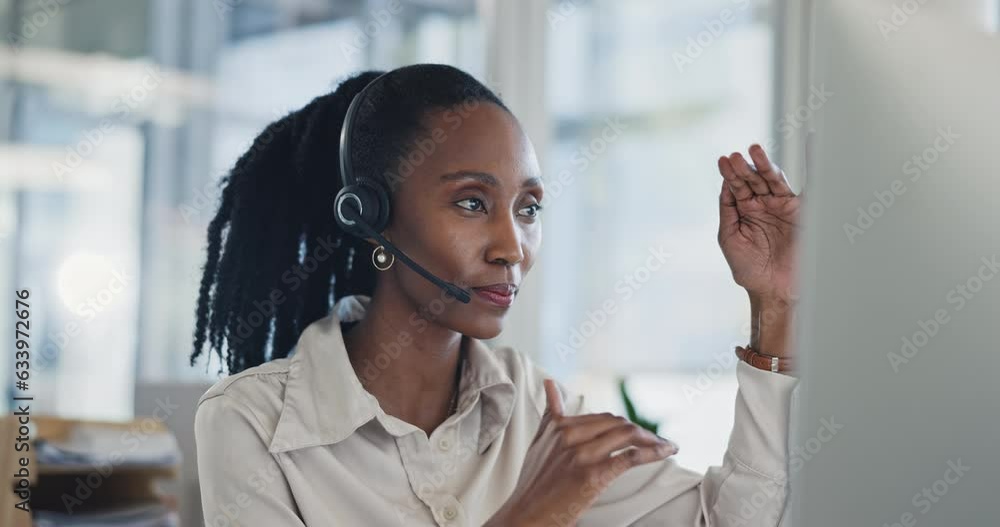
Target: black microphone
x,y
450,288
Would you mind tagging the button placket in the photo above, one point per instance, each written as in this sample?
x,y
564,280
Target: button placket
x,y
445,442
450,510
416,463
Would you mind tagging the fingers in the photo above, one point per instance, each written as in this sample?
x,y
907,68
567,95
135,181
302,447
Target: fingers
x,y
617,438
638,456
728,212
580,429
618,464
748,174
737,185
773,176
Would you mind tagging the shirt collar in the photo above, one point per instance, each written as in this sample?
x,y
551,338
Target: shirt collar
x,y
324,402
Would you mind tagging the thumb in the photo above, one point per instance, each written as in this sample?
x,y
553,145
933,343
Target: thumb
x,y
553,399
553,407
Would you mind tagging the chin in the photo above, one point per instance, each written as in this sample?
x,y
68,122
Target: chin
x,y
481,327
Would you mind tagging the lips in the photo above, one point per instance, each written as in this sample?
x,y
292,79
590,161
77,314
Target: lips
x,y
501,295
500,289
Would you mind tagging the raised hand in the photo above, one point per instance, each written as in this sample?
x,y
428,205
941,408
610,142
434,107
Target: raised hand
x,y
759,224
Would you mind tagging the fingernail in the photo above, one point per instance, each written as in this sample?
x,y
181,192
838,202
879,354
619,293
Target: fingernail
x,y
669,444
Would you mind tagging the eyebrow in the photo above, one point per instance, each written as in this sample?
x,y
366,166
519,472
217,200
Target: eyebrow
x,y
485,178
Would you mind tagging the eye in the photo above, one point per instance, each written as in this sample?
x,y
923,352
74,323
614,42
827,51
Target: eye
x,y
532,209
473,204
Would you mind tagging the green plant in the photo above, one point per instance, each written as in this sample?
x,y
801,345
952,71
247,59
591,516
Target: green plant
x,y
630,409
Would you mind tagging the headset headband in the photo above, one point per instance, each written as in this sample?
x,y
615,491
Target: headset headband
x,y
346,168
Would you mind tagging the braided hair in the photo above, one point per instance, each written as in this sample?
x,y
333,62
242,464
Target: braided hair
x,y
277,260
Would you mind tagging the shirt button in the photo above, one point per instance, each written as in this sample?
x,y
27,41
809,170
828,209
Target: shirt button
x,y
450,513
444,443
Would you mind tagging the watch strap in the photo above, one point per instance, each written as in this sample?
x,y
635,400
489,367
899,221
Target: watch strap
x,y
764,362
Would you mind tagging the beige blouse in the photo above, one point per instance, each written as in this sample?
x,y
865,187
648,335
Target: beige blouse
x,y
298,441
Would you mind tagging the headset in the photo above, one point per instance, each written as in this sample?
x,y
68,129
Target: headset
x,y
362,205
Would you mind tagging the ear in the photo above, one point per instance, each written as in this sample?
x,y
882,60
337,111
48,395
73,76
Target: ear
x,y
374,243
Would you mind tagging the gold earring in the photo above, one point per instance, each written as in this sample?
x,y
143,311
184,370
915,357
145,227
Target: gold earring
x,y
379,258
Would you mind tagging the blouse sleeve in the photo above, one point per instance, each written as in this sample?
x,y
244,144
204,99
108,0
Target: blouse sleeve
x,y
749,488
241,482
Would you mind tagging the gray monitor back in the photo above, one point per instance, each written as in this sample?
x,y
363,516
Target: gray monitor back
x,y
899,415
175,403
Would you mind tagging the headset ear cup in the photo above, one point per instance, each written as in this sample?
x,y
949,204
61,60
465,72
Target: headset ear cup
x,y
379,219
374,204
355,197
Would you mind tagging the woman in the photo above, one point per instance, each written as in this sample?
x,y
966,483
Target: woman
x,y
391,410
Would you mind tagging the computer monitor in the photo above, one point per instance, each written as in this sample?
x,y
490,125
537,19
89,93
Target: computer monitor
x,y
898,419
174,404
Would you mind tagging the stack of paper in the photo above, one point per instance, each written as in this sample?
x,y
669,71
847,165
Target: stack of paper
x,y
147,515
100,445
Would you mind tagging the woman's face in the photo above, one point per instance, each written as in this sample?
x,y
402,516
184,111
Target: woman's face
x,y
465,206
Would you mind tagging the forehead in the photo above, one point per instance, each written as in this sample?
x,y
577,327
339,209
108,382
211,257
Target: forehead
x,y
474,136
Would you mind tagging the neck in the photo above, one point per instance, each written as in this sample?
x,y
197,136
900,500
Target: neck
x,y
409,367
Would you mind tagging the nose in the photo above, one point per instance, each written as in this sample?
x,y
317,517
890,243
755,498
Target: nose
x,y
505,246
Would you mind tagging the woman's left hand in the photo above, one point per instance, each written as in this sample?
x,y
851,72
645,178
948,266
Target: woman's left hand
x,y
758,225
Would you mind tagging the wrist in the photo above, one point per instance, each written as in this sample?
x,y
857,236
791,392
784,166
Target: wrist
x,y
765,362
773,298
772,324
754,317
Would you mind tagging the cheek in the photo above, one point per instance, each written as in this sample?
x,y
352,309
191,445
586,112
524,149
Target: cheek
x,y
446,241
532,243
461,248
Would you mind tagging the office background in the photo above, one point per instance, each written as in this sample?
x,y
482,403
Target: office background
x,y
118,117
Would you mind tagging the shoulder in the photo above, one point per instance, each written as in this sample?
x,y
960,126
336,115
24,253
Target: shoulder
x,y
253,396
529,381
